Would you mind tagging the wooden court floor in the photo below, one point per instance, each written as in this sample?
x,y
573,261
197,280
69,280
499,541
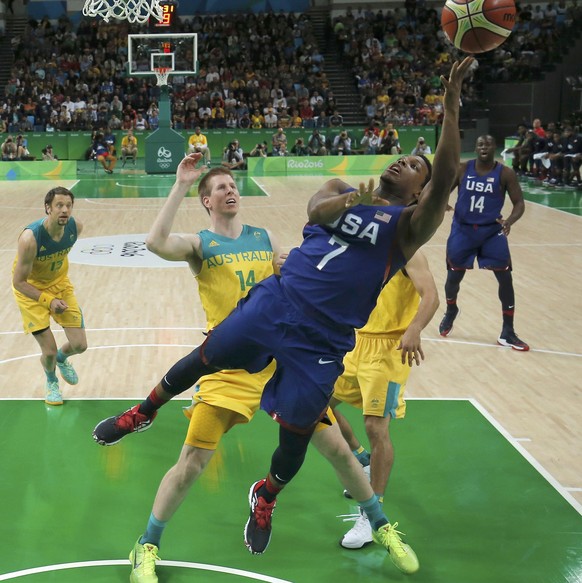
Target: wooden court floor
x,y
141,319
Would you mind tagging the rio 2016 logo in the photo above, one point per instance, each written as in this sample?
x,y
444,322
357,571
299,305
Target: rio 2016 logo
x,y
164,157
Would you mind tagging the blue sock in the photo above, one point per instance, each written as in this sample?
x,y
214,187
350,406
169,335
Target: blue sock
x,y
60,356
362,456
51,375
154,531
374,511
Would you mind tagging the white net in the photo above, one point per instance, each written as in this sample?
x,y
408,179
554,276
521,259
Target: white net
x,y
162,75
139,11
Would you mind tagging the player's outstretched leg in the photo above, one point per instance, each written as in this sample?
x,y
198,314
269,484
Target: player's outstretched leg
x,y
258,527
143,563
400,553
113,429
367,469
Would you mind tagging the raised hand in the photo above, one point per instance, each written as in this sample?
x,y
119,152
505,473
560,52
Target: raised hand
x,y
459,71
188,171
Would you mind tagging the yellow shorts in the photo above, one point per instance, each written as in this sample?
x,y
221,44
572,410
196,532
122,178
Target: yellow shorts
x,y
36,317
374,379
228,397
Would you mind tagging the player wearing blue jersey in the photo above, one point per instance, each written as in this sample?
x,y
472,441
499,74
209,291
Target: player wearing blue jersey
x,y
354,242
227,259
42,289
480,232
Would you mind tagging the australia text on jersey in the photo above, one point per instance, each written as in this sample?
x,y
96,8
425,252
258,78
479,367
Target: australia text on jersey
x,y
243,256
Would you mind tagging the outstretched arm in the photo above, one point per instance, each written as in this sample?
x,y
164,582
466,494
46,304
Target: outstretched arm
x,y
160,240
430,211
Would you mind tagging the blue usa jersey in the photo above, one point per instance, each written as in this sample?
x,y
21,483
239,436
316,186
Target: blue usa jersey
x,y
480,198
339,270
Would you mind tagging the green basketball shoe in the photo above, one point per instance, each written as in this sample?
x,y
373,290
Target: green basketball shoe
x,y
53,393
401,554
68,372
143,563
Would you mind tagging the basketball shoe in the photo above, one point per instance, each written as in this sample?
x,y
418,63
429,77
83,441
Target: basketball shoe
x,y
53,393
360,534
446,325
143,563
400,553
509,338
113,429
258,527
367,472
68,372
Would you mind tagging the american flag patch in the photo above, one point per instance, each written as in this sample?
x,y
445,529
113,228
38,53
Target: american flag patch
x,y
382,216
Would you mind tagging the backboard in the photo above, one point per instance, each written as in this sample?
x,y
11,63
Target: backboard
x,y
177,52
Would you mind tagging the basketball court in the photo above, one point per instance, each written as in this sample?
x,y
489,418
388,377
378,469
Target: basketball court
x,y
486,484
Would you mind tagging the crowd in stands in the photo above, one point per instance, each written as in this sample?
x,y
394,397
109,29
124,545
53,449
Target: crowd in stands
x,y
397,56
263,71
542,34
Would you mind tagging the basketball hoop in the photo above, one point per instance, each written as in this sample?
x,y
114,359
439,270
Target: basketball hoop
x,y
162,75
139,11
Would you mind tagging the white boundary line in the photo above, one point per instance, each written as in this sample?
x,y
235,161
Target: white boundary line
x,y
528,456
181,564
261,186
195,328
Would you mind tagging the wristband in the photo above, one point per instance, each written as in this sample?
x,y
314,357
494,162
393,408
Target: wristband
x,y
45,300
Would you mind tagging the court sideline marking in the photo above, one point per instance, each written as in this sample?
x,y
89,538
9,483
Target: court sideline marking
x,y
181,564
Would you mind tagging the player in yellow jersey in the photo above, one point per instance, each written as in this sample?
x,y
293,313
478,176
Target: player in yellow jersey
x,y
41,286
199,143
129,147
227,260
376,372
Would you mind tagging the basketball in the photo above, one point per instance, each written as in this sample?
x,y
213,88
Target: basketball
x,y
478,26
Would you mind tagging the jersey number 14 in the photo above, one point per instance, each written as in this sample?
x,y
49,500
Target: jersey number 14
x,y
477,204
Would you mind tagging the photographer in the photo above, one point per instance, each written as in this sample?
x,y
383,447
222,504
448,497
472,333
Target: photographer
x,y
233,157
259,151
22,152
370,141
390,144
299,148
316,144
9,150
342,144
421,148
48,154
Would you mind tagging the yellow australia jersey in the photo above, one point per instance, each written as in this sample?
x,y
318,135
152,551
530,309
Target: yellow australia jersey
x,y
396,307
198,140
51,264
230,268
126,141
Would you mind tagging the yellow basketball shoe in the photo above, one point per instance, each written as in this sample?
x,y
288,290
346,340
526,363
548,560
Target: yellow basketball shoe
x,y
401,554
143,563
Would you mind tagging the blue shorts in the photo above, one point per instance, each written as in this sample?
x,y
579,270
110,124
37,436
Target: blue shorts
x,y
486,243
266,326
